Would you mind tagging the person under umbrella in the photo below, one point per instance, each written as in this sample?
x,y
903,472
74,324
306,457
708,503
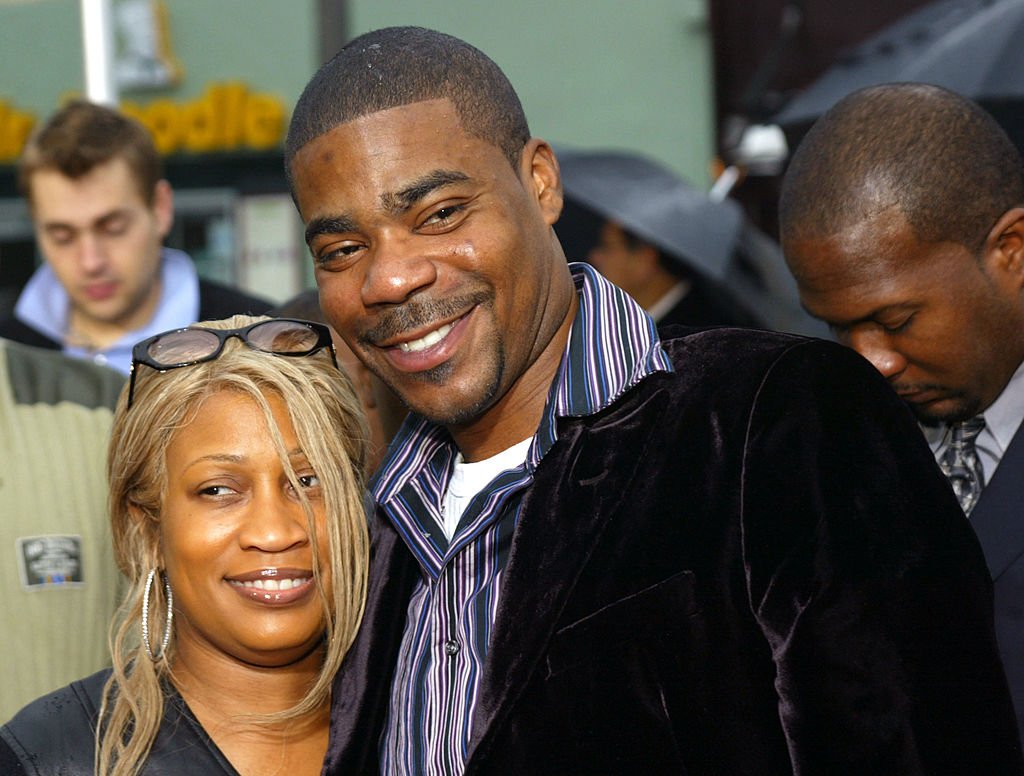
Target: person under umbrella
x,y
684,257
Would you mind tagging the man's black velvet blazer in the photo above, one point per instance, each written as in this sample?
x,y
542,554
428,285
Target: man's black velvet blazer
x,y
750,566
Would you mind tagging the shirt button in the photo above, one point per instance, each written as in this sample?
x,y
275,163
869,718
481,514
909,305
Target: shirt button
x,y
451,648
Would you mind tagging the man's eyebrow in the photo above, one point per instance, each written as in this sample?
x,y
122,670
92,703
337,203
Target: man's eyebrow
x,y
50,226
873,315
395,203
329,225
399,202
98,221
113,215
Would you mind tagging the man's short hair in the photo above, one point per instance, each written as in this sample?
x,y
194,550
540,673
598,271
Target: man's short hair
x,y
82,136
398,66
939,157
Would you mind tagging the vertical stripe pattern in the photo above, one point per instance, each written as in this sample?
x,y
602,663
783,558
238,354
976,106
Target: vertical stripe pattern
x,y
612,346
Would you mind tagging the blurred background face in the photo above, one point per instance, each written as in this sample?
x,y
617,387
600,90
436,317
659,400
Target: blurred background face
x,y
103,240
615,258
235,541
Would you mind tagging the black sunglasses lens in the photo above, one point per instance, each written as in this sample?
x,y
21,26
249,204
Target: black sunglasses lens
x,y
183,347
283,337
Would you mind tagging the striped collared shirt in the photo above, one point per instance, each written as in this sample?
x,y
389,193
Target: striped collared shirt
x,y
612,346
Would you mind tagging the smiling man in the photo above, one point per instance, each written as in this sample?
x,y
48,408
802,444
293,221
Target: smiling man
x,y
902,219
101,211
596,550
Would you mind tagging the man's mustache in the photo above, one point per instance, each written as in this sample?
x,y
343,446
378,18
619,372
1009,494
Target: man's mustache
x,y
418,314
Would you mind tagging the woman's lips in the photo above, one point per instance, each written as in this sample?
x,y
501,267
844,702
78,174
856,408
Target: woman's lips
x,y
273,586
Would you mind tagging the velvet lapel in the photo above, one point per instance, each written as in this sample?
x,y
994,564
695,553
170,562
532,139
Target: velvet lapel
x,y
362,688
998,519
573,498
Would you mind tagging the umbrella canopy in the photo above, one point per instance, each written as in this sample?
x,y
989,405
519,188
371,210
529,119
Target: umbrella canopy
x,y
972,47
656,205
712,239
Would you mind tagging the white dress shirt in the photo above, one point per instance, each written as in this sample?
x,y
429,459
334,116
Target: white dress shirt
x,y
1002,419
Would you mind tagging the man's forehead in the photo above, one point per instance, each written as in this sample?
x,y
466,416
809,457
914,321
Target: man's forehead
x,y
854,276
880,242
424,116
850,299
392,157
845,203
113,178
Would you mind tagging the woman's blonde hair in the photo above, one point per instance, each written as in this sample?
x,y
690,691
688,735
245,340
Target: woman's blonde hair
x,y
329,426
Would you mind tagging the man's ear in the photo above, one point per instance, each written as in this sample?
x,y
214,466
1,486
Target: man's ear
x,y
539,168
1003,259
163,207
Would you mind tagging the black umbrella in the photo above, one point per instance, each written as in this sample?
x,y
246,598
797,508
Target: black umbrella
x,y
656,205
712,239
972,47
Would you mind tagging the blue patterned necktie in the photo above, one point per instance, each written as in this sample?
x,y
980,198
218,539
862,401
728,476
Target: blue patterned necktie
x,y
960,462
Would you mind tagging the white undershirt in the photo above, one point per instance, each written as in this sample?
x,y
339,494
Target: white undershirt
x,y
468,479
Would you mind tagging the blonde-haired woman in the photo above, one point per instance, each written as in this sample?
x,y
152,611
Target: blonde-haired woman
x,y
236,504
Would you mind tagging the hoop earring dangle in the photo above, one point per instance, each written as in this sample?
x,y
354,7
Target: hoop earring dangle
x,y
145,616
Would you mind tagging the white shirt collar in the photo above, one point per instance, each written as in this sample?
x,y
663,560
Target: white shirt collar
x,y
43,305
668,300
1003,417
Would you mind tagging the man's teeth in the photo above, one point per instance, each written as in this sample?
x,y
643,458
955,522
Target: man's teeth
x,y
272,584
426,340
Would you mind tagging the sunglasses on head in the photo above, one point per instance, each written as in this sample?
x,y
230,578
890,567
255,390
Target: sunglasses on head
x,y
194,344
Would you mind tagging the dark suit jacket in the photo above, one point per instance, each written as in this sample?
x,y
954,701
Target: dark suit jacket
x,y
998,519
705,306
215,301
750,566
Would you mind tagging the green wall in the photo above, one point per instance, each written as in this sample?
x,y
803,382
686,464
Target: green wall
x,y
271,45
590,73
40,53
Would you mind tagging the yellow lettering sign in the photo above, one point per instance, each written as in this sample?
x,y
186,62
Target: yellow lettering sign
x,y
226,117
15,127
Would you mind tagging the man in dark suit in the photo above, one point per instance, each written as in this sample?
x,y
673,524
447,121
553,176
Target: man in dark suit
x,y
101,210
902,219
597,550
